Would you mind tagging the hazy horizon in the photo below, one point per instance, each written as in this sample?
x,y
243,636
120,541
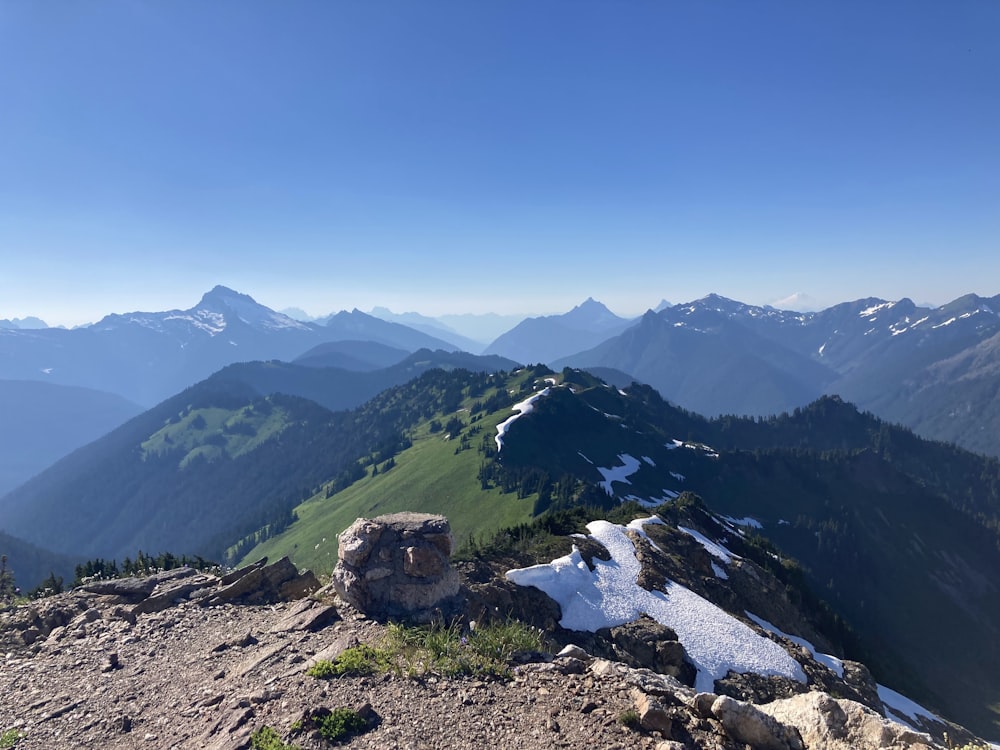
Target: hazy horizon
x,y
448,157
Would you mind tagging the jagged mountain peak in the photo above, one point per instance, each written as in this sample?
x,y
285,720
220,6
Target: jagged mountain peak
x,y
590,312
233,306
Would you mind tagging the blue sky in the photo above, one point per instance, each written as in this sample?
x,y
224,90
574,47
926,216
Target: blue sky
x,y
495,155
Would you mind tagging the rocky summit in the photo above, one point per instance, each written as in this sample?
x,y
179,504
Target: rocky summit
x,y
262,658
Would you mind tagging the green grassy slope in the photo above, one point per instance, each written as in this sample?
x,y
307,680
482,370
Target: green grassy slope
x,y
438,473
429,477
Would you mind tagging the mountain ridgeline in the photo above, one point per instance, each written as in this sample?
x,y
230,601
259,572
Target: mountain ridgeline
x,y
936,370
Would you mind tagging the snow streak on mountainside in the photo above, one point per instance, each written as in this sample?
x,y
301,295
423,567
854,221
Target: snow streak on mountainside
x,y
521,409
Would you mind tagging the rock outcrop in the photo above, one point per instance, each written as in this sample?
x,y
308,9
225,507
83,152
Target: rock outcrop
x,y
398,567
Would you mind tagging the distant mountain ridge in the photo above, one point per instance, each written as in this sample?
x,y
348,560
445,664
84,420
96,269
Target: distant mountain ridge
x,y
42,422
29,322
146,357
544,339
928,368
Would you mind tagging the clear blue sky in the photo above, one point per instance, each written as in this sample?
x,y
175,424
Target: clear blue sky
x,y
495,155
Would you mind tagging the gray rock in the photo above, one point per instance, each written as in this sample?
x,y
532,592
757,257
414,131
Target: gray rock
x,y
307,615
128,588
169,592
234,575
746,723
574,652
826,723
653,717
271,583
398,567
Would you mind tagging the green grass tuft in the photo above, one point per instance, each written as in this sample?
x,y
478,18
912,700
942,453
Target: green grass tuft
x,y
10,738
353,662
267,738
449,651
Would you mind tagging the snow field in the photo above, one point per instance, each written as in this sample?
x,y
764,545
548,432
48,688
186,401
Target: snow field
x,y
715,641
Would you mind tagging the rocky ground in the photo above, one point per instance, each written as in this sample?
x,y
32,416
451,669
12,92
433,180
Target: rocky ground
x,y
183,659
110,675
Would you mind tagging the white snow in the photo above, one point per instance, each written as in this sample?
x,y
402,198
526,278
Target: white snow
x,y
211,322
922,320
580,453
47,370
715,641
551,381
752,523
715,550
621,473
900,708
830,662
874,309
821,349
946,323
674,444
638,524
719,572
649,461
522,408
678,477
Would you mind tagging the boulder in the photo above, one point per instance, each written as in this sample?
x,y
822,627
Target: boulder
x,y
127,588
746,723
398,567
647,643
279,581
825,723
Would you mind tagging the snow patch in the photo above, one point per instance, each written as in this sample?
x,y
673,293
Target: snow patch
x,y
749,522
719,572
580,454
899,708
678,477
715,550
715,641
621,473
522,408
649,461
946,323
874,309
832,663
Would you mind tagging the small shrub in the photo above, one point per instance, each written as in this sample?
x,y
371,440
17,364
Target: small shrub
x,y
340,723
629,718
10,738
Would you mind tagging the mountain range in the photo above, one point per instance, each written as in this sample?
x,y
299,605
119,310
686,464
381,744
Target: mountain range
x,y
146,357
929,369
897,533
279,433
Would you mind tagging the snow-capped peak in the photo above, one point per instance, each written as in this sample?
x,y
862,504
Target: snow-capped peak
x,y
229,304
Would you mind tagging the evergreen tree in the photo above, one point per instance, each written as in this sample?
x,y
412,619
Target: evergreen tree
x,y
8,589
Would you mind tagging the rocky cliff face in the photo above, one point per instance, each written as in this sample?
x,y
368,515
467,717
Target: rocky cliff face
x,y
192,660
